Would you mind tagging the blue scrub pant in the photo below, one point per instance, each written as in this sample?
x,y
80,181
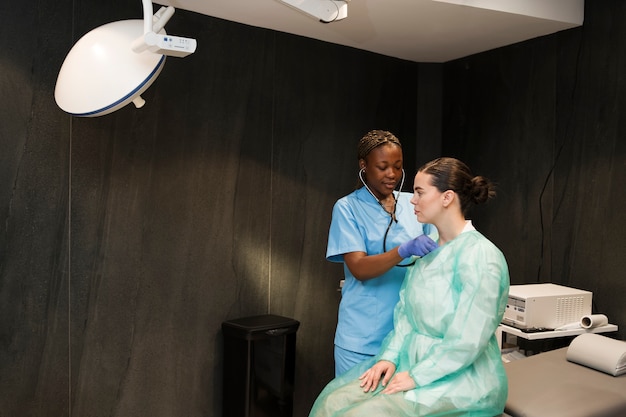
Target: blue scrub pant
x,y
346,359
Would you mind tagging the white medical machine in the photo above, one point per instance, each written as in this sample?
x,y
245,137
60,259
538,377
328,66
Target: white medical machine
x,y
545,306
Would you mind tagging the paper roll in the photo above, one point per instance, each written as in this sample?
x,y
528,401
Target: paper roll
x,y
593,320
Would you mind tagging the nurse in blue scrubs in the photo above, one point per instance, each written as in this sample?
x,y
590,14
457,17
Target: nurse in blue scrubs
x,y
374,234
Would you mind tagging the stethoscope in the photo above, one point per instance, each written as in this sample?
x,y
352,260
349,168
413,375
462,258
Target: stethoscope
x,y
392,215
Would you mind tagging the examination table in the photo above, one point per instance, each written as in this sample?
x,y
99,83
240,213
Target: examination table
x,y
556,384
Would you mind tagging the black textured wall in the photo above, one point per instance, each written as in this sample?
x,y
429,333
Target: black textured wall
x,y
544,119
129,238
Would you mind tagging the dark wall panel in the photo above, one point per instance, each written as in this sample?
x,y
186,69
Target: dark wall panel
x,y
34,144
591,168
543,119
499,112
171,198
314,163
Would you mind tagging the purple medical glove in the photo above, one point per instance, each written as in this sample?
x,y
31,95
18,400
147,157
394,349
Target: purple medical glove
x,y
419,246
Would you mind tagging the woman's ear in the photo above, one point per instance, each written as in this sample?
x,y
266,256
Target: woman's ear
x,y
361,163
448,197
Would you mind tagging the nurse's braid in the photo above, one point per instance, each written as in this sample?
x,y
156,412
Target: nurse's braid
x,y
373,139
452,174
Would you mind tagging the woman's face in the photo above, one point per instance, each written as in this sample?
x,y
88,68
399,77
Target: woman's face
x,y
427,199
383,169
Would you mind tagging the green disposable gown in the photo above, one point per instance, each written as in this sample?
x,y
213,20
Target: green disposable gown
x,y
451,303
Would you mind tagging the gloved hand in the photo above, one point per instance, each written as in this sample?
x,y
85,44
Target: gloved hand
x,y
419,246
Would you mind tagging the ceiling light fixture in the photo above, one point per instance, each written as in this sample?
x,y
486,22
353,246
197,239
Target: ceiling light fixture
x,y
113,64
325,11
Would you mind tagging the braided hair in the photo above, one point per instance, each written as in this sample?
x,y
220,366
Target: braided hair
x,y
373,139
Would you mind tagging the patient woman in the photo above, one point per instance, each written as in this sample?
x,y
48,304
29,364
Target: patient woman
x,y
442,358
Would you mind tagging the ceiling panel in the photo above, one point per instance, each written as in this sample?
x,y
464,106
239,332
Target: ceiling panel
x,y
415,30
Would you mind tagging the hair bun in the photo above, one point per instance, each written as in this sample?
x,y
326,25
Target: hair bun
x,y
482,189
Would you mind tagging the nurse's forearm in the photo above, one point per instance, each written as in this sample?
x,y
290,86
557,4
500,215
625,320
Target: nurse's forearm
x,y
365,267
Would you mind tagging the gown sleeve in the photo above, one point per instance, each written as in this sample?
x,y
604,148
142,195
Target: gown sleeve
x,y
480,274
401,329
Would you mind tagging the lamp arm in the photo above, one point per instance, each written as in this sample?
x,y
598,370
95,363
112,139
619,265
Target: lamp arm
x,y
147,16
161,17
157,22
151,26
154,41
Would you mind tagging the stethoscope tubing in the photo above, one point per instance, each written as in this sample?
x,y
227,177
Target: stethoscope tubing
x,y
392,214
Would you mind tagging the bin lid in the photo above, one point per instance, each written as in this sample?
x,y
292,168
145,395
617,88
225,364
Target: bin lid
x,y
267,324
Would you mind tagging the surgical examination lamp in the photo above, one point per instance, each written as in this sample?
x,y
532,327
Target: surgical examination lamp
x,y
113,64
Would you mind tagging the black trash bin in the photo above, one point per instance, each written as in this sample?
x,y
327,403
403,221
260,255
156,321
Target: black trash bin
x,y
259,366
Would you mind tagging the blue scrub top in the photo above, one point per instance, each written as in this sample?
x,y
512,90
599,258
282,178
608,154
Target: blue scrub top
x,y
366,308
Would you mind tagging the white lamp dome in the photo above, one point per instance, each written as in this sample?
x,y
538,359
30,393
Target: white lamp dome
x,y
102,73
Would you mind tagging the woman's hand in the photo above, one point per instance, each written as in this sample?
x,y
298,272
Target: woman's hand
x,y
371,377
401,381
